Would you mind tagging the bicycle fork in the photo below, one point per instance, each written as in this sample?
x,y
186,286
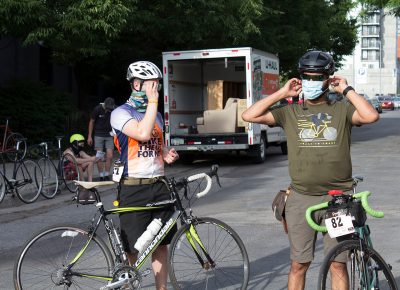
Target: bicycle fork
x,y
194,238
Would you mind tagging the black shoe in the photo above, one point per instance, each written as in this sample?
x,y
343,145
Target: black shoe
x,y
101,178
106,178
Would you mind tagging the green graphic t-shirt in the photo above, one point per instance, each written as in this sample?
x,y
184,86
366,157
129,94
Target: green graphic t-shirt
x,y
318,141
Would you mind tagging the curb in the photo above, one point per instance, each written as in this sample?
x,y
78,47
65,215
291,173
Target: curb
x,y
19,210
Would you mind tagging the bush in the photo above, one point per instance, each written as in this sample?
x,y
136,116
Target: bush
x,y
39,112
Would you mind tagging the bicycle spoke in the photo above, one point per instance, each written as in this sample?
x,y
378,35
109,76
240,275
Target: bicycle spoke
x,y
229,267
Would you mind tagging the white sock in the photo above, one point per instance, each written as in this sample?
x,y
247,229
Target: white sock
x,y
101,174
106,173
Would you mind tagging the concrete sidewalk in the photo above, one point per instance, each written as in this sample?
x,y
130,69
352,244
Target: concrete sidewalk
x,y
12,206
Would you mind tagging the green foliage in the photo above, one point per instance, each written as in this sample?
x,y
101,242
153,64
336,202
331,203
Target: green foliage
x,y
38,112
392,5
293,29
101,37
74,29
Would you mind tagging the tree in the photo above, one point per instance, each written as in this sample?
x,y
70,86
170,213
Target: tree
x,y
101,37
392,5
293,29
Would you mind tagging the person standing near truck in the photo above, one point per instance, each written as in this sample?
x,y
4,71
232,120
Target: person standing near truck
x,y
99,126
319,137
138,136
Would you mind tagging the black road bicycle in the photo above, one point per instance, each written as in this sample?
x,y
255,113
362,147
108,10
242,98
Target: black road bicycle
x,y
345,220
26,178
205,253
64,171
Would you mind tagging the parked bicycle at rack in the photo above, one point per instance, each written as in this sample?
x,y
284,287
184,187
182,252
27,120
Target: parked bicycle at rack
x,y
26,179
205,253
8,145
65,170
345,219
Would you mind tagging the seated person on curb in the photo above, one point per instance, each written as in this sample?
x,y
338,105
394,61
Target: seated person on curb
x,y
85,161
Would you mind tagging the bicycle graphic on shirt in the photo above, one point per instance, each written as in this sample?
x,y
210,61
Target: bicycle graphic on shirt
x,y
312,130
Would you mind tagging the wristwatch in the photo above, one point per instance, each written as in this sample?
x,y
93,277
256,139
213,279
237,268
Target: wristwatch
x,y
346,90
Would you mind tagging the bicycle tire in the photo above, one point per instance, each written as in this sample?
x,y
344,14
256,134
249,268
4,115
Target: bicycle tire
x,y
29,181
11,151
50,178
41,263
185,270
70,171
373,260
2,187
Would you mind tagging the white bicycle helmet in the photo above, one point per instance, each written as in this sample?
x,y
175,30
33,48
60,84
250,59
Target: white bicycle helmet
x,y
144,70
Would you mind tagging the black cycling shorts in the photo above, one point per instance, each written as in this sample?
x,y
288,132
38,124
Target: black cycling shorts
x,y
135,223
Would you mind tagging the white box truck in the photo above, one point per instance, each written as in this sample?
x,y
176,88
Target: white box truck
x,y
205,92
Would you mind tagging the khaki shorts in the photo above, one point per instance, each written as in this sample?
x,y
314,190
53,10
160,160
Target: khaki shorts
x,y
302,237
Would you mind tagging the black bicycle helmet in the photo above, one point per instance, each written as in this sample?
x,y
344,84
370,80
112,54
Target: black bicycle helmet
x,y
317,61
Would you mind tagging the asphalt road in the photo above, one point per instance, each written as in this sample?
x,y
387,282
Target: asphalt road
x,y
244,203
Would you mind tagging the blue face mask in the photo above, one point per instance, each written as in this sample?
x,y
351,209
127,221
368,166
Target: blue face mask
x,y
312,89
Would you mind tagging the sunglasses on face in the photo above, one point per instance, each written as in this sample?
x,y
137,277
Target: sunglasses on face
x,y
314,77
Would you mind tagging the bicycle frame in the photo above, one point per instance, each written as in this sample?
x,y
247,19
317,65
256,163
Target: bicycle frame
x,y
6,130
12,183
116,244
367,274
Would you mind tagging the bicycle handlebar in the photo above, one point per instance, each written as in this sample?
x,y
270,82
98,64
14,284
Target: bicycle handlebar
x,y
198,176
207,175
364,202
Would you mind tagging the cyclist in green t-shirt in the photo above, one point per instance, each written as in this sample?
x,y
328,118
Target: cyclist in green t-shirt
x,y
319,135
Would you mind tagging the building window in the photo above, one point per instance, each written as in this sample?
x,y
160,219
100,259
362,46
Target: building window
x,y
370,42
370,30
370,55
371,18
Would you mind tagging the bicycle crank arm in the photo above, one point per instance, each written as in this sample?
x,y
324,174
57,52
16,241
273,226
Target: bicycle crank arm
x,y
124,282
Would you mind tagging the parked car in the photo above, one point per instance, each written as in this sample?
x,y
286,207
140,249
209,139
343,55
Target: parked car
x,y
387,103
396,101
376,104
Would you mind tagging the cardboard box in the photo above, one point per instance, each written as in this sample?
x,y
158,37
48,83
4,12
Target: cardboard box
x,y
242,106
215,95
219,91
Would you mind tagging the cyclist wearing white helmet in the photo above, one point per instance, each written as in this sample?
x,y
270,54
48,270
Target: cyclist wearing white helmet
x,y
138,129
319,137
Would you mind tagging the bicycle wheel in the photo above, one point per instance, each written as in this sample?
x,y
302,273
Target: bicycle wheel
x,y
366,269
2,187
28,181
229,268
50,178
70,172
44,262
15,147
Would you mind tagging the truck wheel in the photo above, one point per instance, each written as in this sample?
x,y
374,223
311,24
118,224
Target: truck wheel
x,y
259,151
284,148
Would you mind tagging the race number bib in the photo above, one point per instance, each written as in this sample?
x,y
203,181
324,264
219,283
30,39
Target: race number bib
x,y
339,225
118,170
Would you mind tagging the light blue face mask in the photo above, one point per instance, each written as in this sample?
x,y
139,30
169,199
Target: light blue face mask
x,y
312,89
